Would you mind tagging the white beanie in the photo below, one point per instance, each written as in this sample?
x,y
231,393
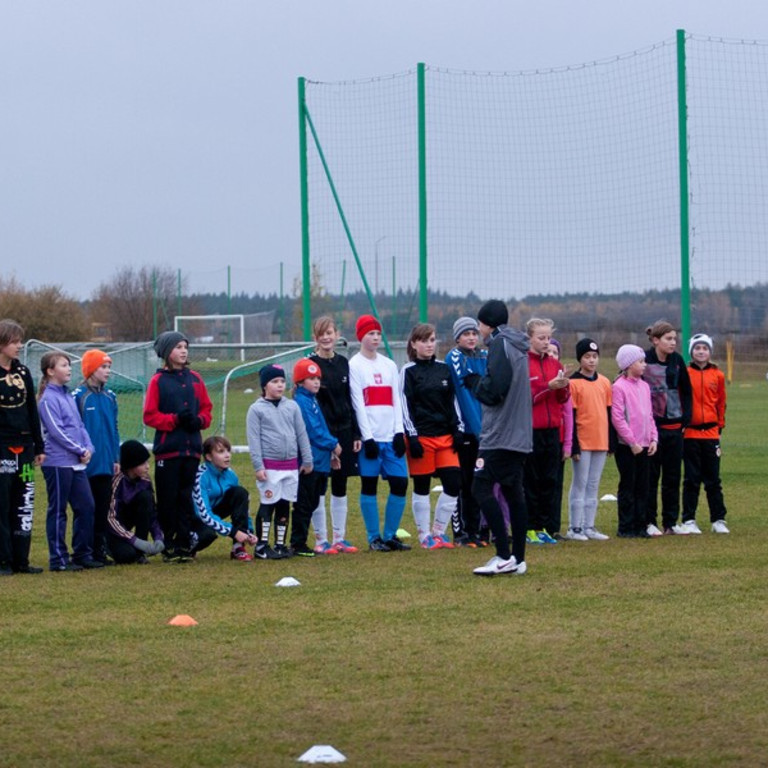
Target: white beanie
x,y
700,338
628,354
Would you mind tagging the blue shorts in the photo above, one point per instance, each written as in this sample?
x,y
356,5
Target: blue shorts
x,y
386,465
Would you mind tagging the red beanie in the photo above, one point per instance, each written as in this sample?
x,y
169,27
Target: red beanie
x,y
305,369
366,324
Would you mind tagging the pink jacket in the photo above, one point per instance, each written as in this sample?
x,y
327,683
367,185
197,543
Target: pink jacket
x,y
632,412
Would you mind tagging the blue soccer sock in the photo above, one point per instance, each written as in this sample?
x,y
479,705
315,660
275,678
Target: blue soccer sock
x,y
369,508
393,514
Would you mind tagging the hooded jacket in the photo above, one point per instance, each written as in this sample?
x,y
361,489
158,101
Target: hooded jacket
x,y
505,393
65,435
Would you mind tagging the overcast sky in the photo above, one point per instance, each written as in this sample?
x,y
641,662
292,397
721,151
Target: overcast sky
x,y
165,132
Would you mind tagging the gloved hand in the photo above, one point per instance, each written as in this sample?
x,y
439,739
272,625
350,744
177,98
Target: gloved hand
x,y
398,445
143,546
371,448
158,546
470,380
458,441
415,448
189,422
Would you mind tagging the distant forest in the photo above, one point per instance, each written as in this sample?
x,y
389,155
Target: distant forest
x,y
734,311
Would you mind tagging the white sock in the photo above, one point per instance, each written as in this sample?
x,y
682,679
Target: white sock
x,y
339,517
421,514
444,509
318,521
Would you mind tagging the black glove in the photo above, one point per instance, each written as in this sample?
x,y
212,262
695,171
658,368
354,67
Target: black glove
x,y
459,440
189,422
398,445
415,448
470,380
371,449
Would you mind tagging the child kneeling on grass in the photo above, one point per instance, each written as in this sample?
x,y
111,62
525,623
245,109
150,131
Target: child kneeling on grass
x,y
218,494
325,454
132,514
276,438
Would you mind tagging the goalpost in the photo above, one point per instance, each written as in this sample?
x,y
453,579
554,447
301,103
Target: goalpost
x,y
210,329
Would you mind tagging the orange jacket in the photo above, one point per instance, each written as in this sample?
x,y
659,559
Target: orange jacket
x,y
708,413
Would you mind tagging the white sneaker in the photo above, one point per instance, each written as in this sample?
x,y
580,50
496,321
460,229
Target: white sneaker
x,y
498,565
690,526
719,526
575,534
652,530
595,535
678,530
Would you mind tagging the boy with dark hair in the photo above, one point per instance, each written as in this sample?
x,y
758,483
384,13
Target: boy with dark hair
x,y
218,495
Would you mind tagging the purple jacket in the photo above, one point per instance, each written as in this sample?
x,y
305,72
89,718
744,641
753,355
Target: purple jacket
x,y
64,433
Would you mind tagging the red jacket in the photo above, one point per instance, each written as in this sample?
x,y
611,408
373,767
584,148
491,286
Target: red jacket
x,y
708,412
547,403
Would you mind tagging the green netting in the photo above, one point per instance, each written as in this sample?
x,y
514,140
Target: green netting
x,y
551,182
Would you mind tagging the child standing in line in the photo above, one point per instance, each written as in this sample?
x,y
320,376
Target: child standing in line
x,y
667,376
326,450
374,389
98,409
701,443
218,495
21,450
132,515
632,418
463,359
177,406
434,432
549,390
335,402
591,399
278,442
68,449
566,444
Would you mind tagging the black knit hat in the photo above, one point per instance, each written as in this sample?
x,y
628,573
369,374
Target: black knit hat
x,y
586,345
493,313
166,341
269,372
132,454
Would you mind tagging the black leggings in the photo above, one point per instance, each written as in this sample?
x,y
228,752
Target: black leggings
x,y
450,477
398,486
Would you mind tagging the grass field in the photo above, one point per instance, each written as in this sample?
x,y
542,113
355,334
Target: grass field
x,y
618,653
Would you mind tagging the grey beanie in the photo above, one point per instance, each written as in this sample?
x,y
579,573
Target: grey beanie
x,y
463,324
166,341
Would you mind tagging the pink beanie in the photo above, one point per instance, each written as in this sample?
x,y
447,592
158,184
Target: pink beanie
x,y
628,354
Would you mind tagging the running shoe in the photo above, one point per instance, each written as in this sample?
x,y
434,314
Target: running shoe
x,y
497,566
575,534
595,535
345,546
443,541
545,538
690,526
239,553
653,531
326,549
533,538
719,526
430,542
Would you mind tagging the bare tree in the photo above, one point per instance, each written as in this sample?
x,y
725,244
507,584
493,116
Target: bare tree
x,y
129,301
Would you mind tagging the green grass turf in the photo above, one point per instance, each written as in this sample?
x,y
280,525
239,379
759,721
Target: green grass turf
x,y
618,653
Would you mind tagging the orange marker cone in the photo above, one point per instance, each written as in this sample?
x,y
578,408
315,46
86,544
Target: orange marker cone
x,y
182,620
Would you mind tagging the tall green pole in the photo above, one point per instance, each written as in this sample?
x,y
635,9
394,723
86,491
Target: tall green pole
x,y
306,277
682,132
229,303
178,292
423,303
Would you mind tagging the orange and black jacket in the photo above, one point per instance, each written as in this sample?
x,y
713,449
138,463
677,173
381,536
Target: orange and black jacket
x,y
708,409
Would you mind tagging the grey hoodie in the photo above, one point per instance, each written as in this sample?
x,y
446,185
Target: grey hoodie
x,y
277,436
505,394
